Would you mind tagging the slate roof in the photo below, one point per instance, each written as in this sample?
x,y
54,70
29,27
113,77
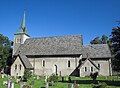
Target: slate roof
x,y
59,45
25,61
96,51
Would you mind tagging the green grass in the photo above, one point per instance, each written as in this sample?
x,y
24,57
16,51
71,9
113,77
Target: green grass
x,y
40,82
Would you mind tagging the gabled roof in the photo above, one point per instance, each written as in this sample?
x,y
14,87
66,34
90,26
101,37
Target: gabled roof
x,y
22,29
88,59
96,51
60,45
25,61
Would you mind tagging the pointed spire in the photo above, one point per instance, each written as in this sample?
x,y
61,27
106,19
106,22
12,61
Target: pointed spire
x,y
23,28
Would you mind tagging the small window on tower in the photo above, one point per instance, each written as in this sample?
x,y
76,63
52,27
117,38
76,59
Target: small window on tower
x,y
18,40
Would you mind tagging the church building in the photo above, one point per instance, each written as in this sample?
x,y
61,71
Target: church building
x,y
59,55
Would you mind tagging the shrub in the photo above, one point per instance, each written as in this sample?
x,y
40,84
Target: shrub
x,y
26,86
94,75
53,78
100,85
27,74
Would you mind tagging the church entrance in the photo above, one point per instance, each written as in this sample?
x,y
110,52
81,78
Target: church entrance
x,y
55,69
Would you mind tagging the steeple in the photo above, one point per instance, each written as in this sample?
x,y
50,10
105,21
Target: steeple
x,y
21,35
22,29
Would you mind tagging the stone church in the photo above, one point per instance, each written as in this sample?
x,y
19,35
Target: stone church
x,y
60,55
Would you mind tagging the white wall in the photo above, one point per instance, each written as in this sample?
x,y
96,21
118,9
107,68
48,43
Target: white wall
x,y
17,72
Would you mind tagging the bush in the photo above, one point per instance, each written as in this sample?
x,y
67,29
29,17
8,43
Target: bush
x,y
100,85
53,78
27,74
94,75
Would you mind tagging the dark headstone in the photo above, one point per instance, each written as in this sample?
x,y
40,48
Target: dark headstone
x,y
62,79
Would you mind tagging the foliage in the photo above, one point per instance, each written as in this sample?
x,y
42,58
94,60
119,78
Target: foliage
x,y
26,86
103,40
94,75
53,78
115,34
5,52
27,74
100,85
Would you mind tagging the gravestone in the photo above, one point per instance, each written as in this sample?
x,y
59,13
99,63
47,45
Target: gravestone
x,y
69,85
38,77
5,83
47,85
66,78
69,79
10,84
45,79
22,84
2,75
62,79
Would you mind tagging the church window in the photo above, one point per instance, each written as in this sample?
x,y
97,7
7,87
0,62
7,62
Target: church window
x,y
68,63
20,66
43,63
99,66
85,69
15,66
91,69
18,40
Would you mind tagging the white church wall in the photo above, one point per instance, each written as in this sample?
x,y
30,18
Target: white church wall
x,y
104,67
50,62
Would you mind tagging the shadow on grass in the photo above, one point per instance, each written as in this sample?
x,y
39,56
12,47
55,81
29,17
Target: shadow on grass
x,y
109,83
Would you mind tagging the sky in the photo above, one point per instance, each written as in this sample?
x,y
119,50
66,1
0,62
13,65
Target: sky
x,y
45,18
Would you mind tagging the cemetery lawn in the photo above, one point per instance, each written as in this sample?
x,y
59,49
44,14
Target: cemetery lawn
x,y
38,83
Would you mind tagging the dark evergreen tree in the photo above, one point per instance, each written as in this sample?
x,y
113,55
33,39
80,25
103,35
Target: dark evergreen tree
x,y
115,34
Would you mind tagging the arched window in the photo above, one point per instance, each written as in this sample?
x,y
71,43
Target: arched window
x,y
85,69
91,69
18,40
43,63
99,66
68,63
15,66
20,66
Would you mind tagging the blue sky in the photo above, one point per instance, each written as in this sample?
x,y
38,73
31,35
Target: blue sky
x,y
45,18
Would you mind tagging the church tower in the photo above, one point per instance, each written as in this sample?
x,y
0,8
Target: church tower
x,y
21,35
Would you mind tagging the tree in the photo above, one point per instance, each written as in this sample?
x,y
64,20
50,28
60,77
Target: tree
x,y
115,34
5,52
96,40
103,40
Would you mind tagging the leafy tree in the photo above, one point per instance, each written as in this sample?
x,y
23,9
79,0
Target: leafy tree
x,y
115,34
103,40
5,52
96,40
